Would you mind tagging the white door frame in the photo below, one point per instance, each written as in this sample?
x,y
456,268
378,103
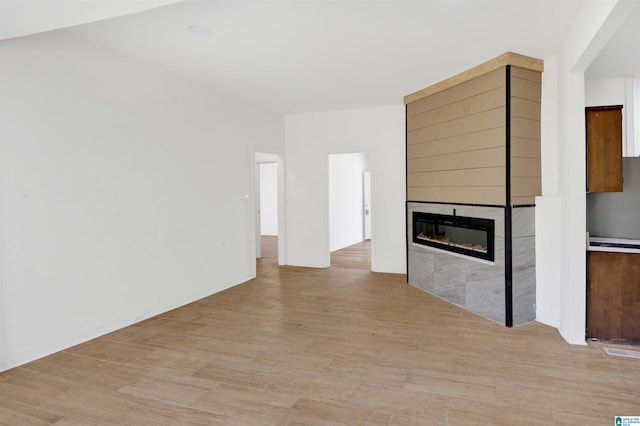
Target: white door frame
x,y
366,208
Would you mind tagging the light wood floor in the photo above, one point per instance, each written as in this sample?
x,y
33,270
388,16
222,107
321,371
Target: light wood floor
x,y
323,347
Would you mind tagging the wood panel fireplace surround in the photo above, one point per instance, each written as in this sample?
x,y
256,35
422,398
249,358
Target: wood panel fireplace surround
x,y
473,172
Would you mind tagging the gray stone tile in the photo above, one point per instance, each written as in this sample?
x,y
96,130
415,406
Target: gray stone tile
x,y
524,253
474,285
421,265
449,278
524,296
523,222
487,298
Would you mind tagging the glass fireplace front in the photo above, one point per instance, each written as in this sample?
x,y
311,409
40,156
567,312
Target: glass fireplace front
x,y
470,236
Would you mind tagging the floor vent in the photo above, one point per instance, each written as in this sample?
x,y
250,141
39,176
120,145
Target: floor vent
x,y
623,352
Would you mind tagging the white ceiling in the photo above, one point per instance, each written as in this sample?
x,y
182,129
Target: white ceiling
x,y
24,17
308,55
621,56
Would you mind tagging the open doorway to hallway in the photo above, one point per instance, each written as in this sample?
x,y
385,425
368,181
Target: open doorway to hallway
x,y
267,178
350,209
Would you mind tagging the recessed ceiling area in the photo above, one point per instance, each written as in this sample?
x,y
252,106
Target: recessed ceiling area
x,y
302,56
620,57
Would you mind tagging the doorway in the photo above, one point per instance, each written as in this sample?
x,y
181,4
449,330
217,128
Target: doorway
x,y
350,209
266,204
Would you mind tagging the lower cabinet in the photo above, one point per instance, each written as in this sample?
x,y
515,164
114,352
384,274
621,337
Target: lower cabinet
x,y
613,297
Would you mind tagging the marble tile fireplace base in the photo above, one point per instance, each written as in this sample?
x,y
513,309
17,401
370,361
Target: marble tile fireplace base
x,y
502,290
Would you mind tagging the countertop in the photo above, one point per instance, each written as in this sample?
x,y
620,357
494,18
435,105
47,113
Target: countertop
x,y
618,245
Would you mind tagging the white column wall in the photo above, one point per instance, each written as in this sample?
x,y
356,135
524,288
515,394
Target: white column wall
x,y
561,284
309,138
635,95
124,192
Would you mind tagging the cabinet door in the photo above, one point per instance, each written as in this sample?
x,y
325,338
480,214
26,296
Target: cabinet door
x,y
604,148
613,297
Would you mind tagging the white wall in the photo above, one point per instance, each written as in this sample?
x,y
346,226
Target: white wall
x,y
604,91
309,138
635,95
548,206
346,198
561,284
123,192
269,198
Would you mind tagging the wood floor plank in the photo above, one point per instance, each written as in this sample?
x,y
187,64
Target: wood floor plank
x,y
410,405
174,390
402,420
334,346
464,412
309,384
77,368
15,413
34,388
240,372
610,406
453,387
160,413
259,405
92,405
566,402
311,411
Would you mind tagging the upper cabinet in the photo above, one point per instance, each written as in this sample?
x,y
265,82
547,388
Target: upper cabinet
x,y
618,91
604,148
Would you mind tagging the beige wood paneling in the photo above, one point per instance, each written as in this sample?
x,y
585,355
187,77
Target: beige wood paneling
x,y
526,74
523,128
474,123
525,186
525,108
525,148
500,62
466,107
526,86
493,176
492,157
456,137
525,167
468,89
490,138
525,89
523,201
492,195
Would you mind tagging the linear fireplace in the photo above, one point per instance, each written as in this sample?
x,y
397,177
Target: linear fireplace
x,y
499,284
470,236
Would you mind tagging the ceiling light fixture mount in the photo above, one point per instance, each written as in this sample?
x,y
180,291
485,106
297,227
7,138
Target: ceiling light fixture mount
x,y
199,30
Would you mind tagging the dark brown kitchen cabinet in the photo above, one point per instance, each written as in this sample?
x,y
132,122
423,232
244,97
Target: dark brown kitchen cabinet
x,y
613,296
604,148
